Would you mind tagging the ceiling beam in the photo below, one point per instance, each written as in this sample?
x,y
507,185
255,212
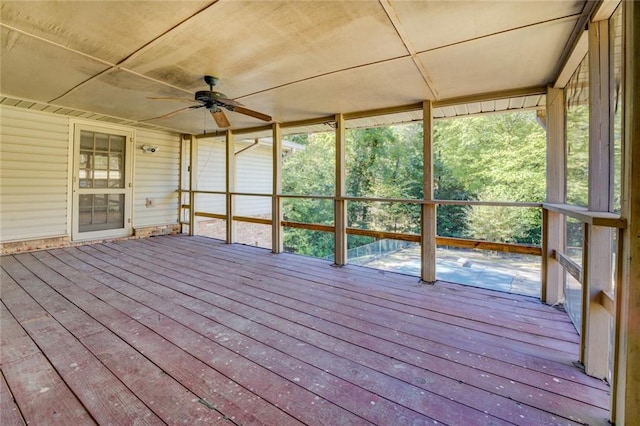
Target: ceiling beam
x,y
574,39
395,21
492,96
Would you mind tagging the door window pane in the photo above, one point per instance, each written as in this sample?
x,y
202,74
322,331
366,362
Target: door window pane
x,y
101,164
98,212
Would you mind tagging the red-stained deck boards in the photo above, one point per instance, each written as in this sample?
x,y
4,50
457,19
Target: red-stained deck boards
x,y
188,329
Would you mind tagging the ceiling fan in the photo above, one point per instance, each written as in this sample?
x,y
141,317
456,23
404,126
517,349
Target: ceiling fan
x,y
214,102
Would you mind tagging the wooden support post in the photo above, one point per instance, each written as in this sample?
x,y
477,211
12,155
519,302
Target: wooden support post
x,y
553,223
276,202
627,379
193,152
340,207
597,267
428,228
230,162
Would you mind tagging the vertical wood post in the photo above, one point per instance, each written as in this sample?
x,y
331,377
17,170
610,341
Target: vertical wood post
x,y
597,265
230,163
340,208
627,379
428,228
553,223
193,149
276,202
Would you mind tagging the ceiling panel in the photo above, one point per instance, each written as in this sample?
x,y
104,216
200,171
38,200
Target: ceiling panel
x,y
393,83
253,45
473,19
293,60
120,93
34,69
522,58
106,30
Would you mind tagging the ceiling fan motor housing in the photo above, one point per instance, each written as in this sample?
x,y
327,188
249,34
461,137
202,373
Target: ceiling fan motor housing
x,y
208,96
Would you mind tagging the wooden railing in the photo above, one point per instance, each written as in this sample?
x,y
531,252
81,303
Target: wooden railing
x,y
599,303
464,243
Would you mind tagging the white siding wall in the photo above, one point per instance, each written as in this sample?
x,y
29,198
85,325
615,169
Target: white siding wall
x,y
210,175
254,175
34,153
35,176
156,176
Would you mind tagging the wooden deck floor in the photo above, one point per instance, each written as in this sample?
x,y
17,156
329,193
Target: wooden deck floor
x,y
187,330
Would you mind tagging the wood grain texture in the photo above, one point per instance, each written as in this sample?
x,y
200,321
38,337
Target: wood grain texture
x,y
284,339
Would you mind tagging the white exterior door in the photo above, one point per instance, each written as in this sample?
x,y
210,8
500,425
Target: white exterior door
x,y
101,183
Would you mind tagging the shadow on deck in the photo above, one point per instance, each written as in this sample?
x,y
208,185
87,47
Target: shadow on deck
x,y
188,330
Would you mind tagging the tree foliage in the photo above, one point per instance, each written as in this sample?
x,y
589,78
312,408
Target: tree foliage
x,y
491,158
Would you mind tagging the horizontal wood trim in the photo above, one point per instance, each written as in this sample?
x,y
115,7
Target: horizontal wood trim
x,y
488,245
216,134
610,220
569,265
195,191
485,203
383,111
315,197
211,215
250,194
384,200
395,200
491,96
267,127
309,122
309,226
258,220
607,301
384,234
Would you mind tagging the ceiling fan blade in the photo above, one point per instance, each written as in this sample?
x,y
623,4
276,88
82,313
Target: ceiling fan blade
x,y
221,119
155,98
172,113
251,113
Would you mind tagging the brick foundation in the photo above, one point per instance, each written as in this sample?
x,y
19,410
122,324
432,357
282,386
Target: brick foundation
x,y
59,242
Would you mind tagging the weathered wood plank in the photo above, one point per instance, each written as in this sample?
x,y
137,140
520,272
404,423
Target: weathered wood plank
x,y
317,384
283,339
103,395
443,311
43,398
9,411
167,398
236,305
238,404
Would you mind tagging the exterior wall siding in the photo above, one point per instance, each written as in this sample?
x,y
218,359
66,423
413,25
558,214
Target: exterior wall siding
x,y
156,178
254,175
35,177
34,156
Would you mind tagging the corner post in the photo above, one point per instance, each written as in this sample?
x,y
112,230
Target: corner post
x,y
276,202
553,223
627,379
428,228
230,163
340,208
597,264
193,184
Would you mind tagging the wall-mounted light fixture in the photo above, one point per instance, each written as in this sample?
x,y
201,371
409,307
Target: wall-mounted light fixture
x,y
150,149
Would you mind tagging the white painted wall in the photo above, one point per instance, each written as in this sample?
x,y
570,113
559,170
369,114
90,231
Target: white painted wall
x,y
35,167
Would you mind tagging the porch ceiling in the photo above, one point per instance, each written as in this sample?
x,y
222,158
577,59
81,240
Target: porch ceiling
x,y
292,60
